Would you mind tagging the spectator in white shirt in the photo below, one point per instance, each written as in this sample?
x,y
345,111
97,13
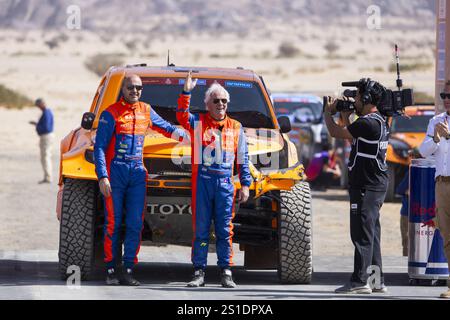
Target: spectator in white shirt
x,y
437,144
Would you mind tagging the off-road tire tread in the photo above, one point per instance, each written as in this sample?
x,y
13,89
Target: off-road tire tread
x,y
77,227
295,236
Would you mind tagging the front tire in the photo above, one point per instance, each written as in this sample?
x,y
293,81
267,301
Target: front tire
x,y
77,227
295,236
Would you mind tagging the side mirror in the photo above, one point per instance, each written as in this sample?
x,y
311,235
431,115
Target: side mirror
x,y
285,124
88,120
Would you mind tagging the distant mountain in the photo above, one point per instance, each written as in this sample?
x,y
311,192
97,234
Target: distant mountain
x,y
180,16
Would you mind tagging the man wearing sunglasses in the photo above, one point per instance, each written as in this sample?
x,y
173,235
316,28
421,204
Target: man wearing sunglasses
x,y
122,175
437,144
218,143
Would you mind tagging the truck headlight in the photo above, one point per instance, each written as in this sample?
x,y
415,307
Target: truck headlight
x,y
400,148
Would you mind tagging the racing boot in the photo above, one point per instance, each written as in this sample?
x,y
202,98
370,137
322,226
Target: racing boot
x,y
227,279
128,280
111,277
198,280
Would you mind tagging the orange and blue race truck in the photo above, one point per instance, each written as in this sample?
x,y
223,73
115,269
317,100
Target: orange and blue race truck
x,y
274,228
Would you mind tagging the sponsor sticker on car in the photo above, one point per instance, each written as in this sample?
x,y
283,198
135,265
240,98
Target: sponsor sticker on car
x,y
239,84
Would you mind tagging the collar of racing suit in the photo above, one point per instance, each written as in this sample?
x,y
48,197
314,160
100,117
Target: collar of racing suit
x,y
214,123
129,105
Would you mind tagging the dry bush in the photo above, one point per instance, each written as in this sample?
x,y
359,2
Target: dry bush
x,y
378,69
288,50
223,55
62,37
265,54
308,56
131,45
21,39
52,44
13,100
107,39
413,66
100,63
56,41
149,55
310,69
361,52
28,54
331,48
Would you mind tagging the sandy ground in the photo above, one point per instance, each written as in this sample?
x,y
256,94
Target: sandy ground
x,y
27,210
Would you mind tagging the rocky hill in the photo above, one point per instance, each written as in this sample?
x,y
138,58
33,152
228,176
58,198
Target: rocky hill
x,y
184,16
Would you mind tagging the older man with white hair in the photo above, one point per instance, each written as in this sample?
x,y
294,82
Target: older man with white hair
x,y
218,144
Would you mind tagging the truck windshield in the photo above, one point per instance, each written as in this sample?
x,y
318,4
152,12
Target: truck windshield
x,y
247,104
416,124
302,111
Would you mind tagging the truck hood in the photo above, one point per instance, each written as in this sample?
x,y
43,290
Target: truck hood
x,y
259,141
412,139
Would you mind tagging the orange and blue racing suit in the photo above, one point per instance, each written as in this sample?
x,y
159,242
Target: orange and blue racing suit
x,y
216,147
118,153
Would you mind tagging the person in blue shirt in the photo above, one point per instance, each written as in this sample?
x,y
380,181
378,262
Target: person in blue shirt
x,y
44,129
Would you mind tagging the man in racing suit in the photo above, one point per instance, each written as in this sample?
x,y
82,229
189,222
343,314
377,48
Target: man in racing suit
x,y
218,142
122,175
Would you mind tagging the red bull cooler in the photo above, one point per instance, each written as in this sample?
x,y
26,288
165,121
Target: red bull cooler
x,y
426,258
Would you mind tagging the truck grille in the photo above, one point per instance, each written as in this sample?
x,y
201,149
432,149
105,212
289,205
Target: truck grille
x,y
167,167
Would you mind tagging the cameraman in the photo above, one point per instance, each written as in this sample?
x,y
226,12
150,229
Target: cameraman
x,y
368,180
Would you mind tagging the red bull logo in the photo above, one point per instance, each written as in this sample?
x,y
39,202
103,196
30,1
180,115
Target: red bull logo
x,y
420,213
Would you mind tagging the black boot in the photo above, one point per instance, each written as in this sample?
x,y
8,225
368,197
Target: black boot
x,y
198,279
227,279
128,280
111,277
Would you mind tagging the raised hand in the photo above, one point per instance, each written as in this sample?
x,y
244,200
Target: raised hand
x,y
189,84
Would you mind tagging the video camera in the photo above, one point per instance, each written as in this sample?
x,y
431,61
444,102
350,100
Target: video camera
x,y
388,102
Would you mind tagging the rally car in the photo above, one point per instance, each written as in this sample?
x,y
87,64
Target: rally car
x,y
309,133
407,133
273,228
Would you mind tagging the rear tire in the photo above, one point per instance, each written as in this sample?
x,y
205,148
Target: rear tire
x,y
77,227
295,236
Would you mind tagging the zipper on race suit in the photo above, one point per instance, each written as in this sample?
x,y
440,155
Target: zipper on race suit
x,y
133,132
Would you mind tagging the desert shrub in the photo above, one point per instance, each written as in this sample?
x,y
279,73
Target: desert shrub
x,y
223,56
131,45
100,63
331,48
52,44
413,66
266,54
12,99
288,50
